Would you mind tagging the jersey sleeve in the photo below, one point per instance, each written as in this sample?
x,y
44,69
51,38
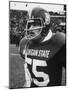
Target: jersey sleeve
x,y
60,41
62,52
62,55
24,44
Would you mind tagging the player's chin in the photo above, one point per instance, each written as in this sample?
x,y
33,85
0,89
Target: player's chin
x,y
37,39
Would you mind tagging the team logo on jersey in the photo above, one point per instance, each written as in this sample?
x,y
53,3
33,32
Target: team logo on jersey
x,y
39,53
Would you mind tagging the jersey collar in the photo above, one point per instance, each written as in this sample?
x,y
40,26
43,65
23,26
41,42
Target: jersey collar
x,y
48,36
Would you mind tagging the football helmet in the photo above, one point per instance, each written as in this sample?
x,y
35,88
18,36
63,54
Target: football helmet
x,y
38,23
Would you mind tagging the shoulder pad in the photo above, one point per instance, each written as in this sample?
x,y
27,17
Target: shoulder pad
x,y
59,38
23,41
24,44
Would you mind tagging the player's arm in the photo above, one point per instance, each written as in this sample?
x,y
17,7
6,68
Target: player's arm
x,y
63,55
62,52
23,46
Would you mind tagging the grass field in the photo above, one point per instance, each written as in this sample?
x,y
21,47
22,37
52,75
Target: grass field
x,y
16,69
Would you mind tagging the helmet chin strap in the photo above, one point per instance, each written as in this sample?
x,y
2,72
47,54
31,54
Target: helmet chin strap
x,y
49,35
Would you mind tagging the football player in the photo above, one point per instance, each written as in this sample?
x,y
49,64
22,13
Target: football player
x,y
43,52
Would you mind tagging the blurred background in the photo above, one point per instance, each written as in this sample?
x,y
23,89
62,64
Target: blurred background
x,y
18,14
